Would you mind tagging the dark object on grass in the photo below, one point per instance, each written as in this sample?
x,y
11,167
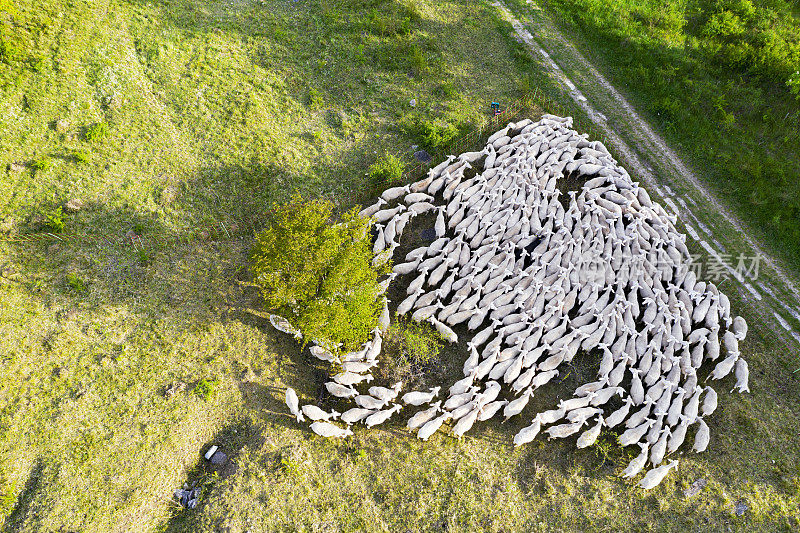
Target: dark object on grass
x,y
428,234
422,156
219,458
740,508
187,496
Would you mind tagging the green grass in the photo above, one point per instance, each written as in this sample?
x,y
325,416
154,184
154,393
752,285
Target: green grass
x,y
209,121
715,78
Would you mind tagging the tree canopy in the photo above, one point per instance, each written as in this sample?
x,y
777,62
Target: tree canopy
x,y
318,273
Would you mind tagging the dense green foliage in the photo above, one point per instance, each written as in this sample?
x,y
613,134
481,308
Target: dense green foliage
x,y
718,77
319,274
386,171
97,132
433,135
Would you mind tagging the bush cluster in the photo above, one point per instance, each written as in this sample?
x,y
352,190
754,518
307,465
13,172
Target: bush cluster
x,y
97,132
386,171
318,273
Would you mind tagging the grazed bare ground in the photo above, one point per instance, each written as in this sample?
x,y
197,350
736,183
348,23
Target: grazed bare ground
x,y
641,149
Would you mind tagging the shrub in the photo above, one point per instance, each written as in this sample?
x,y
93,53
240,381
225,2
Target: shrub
x,y
53,219
386,171
97,132
80,157
40,165
410,349
319,274
435,134
205,388
76,284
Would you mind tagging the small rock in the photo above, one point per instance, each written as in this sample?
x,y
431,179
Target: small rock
x,y
413,102
6,270
187,497
740,508
7,224
74,205
248,375
219,458
62,125
16,166
168,194
696,487
174,389
422,156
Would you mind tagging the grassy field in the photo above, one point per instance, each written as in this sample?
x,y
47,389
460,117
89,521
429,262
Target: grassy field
x,y
719,80
177,124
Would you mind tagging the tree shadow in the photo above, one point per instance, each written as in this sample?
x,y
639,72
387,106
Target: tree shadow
x,y
28,509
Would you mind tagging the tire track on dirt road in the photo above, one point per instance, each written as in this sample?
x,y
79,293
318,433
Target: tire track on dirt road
x,y
643,140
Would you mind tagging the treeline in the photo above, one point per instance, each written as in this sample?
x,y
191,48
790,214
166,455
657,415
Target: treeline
x,y
763,39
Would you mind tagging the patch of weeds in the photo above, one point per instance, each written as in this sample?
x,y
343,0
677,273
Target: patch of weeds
x,y
9,50
76,284
290,467
97,132
404,55
7,498
417,60
392,19
314,99
386,171
40,165
411,350
80,156
608,450
206,388
52,220
335,118
144,256
445,90
522,57
433,134
526,84
37,64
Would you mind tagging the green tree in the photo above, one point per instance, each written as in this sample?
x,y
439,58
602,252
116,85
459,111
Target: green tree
x,y
318,273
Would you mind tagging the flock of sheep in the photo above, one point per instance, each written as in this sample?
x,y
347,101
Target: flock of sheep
x,y
536,276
